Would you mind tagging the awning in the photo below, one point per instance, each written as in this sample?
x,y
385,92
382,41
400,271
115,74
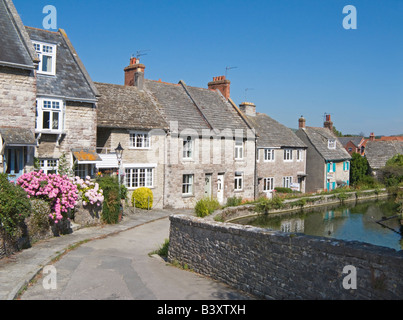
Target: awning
x,y
109,161
86,156
17,137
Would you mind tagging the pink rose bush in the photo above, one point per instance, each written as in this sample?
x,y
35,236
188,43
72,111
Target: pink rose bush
x,y
89,191
59,191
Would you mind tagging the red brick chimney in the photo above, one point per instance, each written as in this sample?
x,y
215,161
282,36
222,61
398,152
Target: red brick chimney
x,y
301,122
221,84
372,137
134,74
328,123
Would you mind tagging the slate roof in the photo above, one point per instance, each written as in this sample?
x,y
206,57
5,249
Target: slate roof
x,y
17,136
355,140
195,108
319,138
378,152
273,134
15,48
71,81
127,107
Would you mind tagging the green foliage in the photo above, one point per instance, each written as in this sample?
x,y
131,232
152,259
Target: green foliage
x,y
234,201
283,190
111,205
206,206
64,167
265,205
396,160
14,206
38,222
392,174
142,198
163,249
359,169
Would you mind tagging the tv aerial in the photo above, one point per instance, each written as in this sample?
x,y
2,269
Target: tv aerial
x,y
227,69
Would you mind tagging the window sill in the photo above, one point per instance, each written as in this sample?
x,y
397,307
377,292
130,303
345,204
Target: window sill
x,y
187,195
133,148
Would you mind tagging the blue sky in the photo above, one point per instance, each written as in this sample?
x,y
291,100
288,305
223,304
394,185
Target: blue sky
x,y
290,57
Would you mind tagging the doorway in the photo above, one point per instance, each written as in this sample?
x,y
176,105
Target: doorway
x,y
14,159
208,185
220,188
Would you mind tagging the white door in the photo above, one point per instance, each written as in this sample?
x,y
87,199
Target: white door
x,y
220,188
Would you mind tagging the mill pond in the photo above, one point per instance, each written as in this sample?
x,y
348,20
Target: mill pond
x,y
373,222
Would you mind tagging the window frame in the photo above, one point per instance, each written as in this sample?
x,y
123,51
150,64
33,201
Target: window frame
x,y
44,165
139,136
40,52
331,144
131,172
271,184
300,155
267,152
238,181
187,148
288,155
239,150
187,185
287,181
41,110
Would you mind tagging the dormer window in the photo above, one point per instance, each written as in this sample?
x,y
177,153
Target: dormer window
x,y
331,143
47,57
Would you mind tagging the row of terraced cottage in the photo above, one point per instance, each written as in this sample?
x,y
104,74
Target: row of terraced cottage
x,y
183,142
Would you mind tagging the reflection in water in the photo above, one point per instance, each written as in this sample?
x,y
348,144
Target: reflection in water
x,y
347,222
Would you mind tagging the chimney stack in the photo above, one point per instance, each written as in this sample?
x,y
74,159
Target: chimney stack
x,y
248,108
301,122
134,74
372,137
221,84
328,123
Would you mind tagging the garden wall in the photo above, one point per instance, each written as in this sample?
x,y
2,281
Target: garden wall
x,y
233,213
275,265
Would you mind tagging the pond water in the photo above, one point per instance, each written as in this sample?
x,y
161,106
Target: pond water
x,y
371,222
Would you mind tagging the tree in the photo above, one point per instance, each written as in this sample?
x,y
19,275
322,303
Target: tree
x,y
359,168
392,173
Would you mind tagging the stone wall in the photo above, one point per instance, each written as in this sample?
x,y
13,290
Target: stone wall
x,y
279,168
80,127
18,97
210,157
275,265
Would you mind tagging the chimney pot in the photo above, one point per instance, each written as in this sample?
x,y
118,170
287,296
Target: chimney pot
x,y
134,74
220,83
301,122
328,123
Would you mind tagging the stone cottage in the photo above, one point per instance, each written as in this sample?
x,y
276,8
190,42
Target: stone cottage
x,y
188,142
281,155
328,162
18,62
65,105
128,116
378,152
